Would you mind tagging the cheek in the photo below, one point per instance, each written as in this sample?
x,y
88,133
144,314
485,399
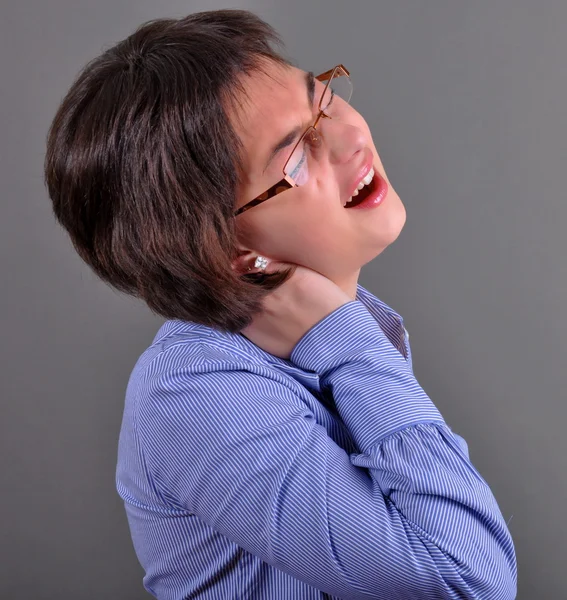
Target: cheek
x,y
321,205
314,214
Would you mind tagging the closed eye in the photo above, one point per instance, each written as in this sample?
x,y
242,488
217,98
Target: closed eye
x,y
332,98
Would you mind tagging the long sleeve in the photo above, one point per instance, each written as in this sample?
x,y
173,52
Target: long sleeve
x,y
408,517
421,468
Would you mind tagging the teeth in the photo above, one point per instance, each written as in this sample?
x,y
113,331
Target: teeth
x,y
364,182
368,178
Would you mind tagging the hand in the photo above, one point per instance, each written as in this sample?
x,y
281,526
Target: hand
x,y
293,309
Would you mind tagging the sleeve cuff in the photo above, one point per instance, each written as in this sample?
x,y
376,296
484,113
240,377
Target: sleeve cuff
x,y
349,326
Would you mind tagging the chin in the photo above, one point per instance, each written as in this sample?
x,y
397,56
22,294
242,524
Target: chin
x,y
400,217
392,220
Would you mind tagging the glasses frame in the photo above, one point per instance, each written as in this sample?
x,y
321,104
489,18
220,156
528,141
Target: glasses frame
x,y
288,182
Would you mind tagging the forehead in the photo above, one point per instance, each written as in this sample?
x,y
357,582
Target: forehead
x,y
270,105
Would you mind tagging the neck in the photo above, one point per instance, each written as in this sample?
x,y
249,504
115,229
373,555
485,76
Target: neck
x,y
348,283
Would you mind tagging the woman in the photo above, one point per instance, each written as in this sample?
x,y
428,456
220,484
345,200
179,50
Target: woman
x,y
275,442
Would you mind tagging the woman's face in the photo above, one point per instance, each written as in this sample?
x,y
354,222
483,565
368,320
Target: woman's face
x,y
308,225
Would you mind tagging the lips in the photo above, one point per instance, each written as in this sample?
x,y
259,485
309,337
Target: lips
x,y
360,174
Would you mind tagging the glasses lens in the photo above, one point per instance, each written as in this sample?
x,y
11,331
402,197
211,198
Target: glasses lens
x,y
297,166
340,86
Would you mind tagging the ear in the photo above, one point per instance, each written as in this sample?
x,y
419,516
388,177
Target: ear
x,y
245,259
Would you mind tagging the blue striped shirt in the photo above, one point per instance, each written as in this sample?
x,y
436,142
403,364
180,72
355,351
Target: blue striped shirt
x,y
328,475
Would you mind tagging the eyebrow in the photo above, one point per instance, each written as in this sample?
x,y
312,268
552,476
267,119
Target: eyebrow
x,y
290,137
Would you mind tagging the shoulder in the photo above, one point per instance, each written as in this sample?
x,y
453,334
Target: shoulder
x,y
182,352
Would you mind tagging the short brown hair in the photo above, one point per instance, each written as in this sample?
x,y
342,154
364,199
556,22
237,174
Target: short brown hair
x,y
142,165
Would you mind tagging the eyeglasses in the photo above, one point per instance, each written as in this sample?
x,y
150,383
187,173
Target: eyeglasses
x,y
296,168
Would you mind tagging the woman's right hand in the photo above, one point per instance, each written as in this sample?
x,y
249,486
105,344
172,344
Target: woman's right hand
x,y
291,310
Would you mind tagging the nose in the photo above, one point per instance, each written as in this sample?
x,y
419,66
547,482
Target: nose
x,y
342,139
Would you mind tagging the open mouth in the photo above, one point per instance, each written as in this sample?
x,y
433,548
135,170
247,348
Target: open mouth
x,y
364,192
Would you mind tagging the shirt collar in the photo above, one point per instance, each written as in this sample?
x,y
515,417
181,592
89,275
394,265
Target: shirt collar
x,y
389,320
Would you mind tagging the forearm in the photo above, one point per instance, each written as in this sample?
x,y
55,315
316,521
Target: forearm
x,y
412,456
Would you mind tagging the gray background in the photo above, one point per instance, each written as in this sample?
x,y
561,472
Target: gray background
x,y
466,102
